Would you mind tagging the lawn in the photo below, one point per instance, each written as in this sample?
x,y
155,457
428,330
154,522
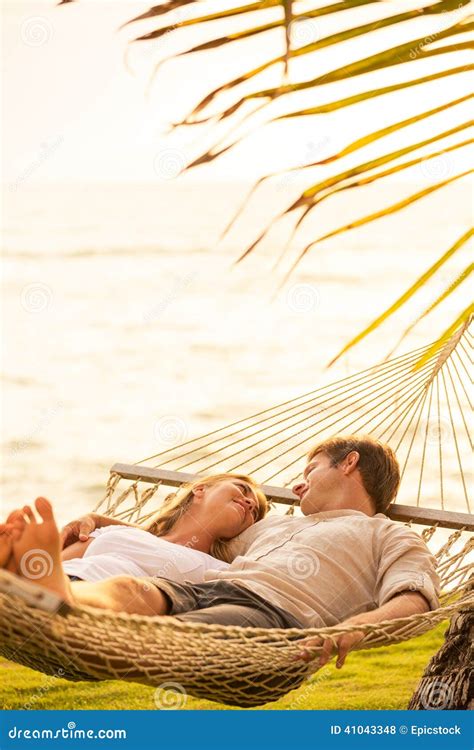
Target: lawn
x,y
382,678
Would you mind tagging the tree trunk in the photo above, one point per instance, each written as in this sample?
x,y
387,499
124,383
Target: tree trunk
x,y
448,682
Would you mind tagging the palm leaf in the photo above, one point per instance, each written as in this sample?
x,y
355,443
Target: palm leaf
x,y
315,194
447,292
360,143
364,95
461,321
395,55
402,53
408,294
342,36
388,211
256,24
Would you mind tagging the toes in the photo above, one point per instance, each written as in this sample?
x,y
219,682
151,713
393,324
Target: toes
x,y
16,533
44,508
19,523
15,515
28,514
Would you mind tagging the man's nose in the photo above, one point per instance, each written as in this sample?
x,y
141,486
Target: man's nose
x,y
299,488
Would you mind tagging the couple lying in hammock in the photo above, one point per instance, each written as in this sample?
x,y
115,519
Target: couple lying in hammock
x,y
210,556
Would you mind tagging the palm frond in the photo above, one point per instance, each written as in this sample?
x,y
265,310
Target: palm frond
x,y
387,211
443,296
240,96
461,322
322,190
398,55
408,294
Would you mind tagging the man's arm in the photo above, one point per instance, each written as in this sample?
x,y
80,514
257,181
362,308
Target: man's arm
x,y
407,584
80,529
404,604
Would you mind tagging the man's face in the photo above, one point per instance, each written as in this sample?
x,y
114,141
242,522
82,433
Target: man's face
x,y
319,488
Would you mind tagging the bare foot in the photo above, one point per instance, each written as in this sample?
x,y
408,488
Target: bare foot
x,y
10,532
6,544
37,550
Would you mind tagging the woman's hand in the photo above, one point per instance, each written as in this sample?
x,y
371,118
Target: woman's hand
x,y
340,644
79,530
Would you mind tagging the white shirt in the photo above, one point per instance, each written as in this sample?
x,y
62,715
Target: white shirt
x,y
124,550
326,567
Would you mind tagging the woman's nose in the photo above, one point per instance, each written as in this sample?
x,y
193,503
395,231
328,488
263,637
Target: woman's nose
x,y
299,488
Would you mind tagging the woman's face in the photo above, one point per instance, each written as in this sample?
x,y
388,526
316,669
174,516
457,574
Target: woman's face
x,y
232,506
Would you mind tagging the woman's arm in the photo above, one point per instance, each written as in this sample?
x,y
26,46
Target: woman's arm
x,y
79,530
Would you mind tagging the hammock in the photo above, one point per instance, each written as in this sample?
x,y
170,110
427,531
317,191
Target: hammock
x,y
419,411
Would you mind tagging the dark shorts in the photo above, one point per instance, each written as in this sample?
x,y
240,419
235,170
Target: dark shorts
x,y
223,603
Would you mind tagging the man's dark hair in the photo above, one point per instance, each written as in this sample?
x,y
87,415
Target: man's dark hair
x,y
378,465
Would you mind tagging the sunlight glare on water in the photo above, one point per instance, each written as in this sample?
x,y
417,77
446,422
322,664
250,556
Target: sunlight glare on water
x,y
127,330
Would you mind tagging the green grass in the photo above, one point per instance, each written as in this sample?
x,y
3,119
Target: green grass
x,y
382,678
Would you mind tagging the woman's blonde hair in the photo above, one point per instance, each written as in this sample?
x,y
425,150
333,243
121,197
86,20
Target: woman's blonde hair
x,y
178,503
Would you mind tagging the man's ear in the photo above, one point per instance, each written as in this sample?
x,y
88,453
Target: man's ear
x,y
198,491
350,462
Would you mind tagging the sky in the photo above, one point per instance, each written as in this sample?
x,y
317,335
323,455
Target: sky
x,y
73,111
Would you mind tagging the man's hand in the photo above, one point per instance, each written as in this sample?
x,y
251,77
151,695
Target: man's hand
x,y
79,530
340,644
403,604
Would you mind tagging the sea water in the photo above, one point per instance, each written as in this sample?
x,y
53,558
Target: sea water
x,y
128,328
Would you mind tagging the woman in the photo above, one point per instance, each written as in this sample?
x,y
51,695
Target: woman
x,y
187,536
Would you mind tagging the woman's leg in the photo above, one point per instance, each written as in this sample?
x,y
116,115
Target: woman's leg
x,y
121,594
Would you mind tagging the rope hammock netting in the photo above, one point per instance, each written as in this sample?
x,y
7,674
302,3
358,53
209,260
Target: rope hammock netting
x,y
421,410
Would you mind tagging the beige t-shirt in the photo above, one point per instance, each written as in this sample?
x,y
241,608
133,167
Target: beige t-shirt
x,y
326,567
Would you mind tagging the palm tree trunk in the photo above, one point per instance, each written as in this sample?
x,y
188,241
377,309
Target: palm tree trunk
x,y
448,681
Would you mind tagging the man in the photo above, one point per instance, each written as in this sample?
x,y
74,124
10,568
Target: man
x,y
342,562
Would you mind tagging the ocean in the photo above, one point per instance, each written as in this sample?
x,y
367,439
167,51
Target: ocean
x,y
127,326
